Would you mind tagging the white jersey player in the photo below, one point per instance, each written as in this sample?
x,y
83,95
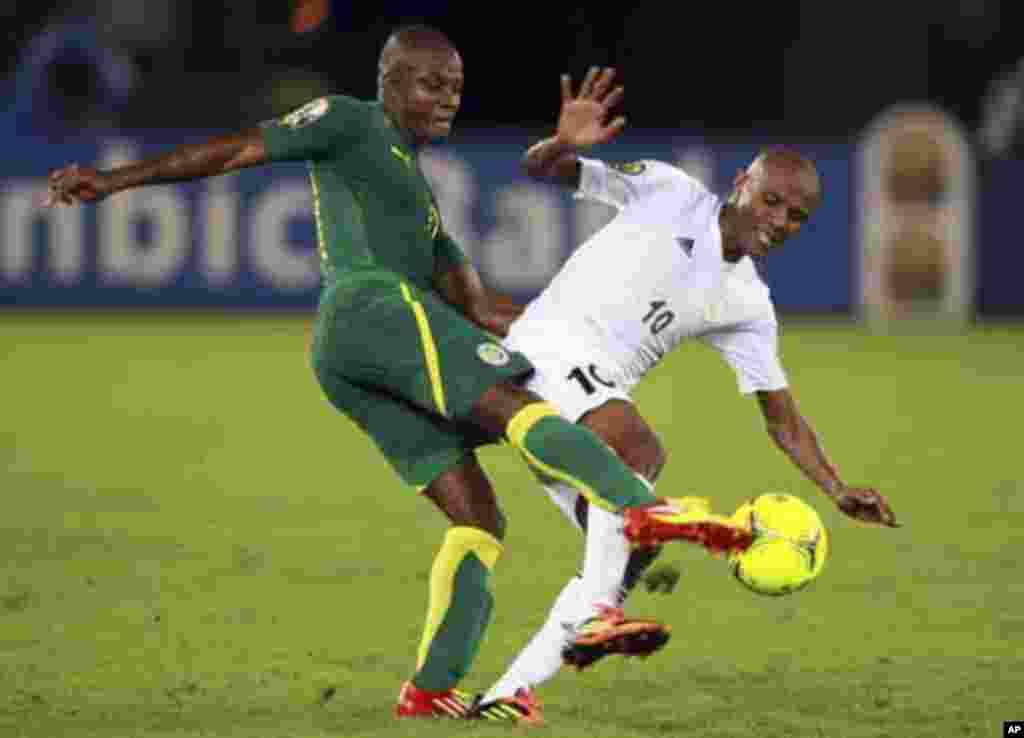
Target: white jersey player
x,y
651,278
674,263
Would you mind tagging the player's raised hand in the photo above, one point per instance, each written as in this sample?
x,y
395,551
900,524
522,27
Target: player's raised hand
x,y
583,120
866,504
74,184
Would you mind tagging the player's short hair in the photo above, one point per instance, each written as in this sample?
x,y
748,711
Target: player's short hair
x,y
418,36
415,37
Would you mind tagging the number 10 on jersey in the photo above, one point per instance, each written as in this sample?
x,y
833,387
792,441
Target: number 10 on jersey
x,y
658,317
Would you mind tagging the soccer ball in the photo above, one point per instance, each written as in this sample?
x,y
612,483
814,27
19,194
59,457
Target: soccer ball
x,y
789,549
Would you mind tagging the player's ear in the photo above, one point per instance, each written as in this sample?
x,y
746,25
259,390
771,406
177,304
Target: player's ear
x,y
742,175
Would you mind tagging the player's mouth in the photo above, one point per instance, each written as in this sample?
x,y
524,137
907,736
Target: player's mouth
x,y
767,241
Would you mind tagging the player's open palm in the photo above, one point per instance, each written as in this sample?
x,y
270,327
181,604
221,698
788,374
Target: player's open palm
x,y
867,505
75,183
583,120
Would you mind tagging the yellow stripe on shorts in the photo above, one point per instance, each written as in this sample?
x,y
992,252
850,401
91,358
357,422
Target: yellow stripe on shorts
x,y
429,349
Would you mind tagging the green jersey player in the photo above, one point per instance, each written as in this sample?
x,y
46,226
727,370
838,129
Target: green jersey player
x,y
404,342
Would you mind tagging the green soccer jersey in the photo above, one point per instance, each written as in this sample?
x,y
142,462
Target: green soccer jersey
x,y
374,208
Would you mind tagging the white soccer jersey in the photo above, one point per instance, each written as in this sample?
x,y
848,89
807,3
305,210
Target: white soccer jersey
x,y
651,278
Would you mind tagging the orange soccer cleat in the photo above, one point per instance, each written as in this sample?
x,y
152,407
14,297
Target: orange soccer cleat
x,y
688,519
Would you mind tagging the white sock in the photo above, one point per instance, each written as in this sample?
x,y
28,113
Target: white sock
x,y
606,553
542,657
605,558
565,498
604,567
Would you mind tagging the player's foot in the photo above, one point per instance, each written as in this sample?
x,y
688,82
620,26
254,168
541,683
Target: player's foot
x,y
523,708
610,632
689,519
415,702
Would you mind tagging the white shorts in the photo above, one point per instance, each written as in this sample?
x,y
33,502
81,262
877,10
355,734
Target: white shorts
x,y
572,373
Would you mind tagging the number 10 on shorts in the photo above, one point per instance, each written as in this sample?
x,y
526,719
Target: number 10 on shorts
x,y
587,379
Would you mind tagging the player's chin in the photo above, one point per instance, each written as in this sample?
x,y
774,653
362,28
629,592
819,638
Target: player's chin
x,y
441,128
757,250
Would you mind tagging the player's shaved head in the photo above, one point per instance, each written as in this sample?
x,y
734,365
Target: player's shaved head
x,y
405,43
787,161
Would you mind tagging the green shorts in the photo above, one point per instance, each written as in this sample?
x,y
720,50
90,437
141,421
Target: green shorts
x,y
407,368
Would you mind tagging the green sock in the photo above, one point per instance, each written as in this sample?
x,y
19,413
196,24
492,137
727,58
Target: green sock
x,y
573,454
459,608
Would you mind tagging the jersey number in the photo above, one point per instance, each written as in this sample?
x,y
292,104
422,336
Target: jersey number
x,y
658,318
580,376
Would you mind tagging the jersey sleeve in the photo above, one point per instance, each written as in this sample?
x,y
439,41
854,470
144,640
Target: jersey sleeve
x,y
620,185
320,127
752,350
448,254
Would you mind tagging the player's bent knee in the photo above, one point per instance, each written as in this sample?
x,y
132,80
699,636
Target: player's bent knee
x,y
646,456
465,496
498,405
660,459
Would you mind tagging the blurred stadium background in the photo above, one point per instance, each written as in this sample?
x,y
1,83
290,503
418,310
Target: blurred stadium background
x,y
193,544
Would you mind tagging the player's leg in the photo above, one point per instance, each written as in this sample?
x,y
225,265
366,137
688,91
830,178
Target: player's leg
x,y
571,375
611,565
585,622
460,601
619,424
431,454
558,448
573,454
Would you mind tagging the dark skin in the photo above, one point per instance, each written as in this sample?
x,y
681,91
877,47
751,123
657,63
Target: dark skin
x,y
770,202
420,87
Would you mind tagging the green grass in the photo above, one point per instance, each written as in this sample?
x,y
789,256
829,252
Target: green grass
x,y
193,544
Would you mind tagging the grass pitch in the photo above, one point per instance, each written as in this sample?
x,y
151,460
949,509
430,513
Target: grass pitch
x,y
193,543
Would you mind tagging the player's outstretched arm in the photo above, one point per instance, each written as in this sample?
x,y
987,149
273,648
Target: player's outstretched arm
x,y
219,155
582,122
794,435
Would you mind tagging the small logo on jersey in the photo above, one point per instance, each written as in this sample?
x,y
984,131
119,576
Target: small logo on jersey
x,y
493,354
630,167
402,156
308,113
686,244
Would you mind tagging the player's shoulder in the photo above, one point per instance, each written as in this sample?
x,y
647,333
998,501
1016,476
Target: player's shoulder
x,y
654,175
329,108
